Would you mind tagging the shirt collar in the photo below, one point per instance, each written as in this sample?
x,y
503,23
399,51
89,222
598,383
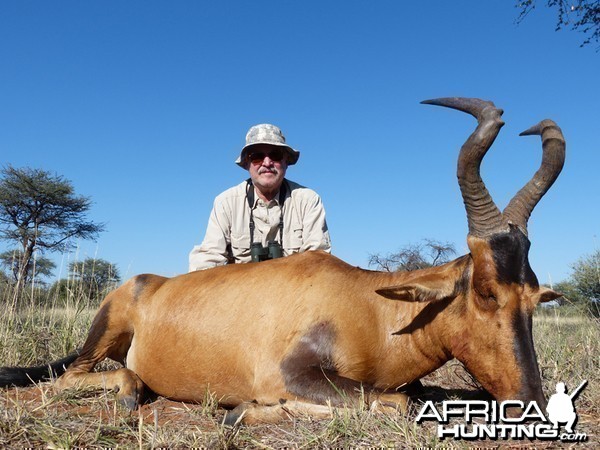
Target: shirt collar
x,y
257,198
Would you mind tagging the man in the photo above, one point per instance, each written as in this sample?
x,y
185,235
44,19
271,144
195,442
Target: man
x,y
265,208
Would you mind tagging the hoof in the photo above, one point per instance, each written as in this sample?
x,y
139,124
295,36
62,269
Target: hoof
x,y
391,403
129,401
231,418
414,389
237,414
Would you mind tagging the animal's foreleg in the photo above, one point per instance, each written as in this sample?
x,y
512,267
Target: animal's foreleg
x,y
326,386
387,402
310,373
250,413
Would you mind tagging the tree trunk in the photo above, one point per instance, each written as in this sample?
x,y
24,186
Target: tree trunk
x,y
23,271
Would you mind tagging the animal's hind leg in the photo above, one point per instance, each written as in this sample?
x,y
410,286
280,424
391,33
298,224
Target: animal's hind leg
x,y
124,382
110,336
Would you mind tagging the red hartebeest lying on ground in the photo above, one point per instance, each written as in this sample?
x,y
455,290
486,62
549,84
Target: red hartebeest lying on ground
x,y
310,330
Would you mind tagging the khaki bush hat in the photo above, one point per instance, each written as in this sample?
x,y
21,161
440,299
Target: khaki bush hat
x,y
266,134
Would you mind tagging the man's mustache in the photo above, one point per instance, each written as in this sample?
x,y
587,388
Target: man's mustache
x,y
268,170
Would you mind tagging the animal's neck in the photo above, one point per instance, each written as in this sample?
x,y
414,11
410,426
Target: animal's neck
x,y
419,336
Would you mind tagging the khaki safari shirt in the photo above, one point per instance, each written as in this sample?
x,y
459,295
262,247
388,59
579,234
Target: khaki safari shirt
x,y
228,232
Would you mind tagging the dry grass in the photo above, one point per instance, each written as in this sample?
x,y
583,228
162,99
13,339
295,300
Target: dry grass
x,y
35,417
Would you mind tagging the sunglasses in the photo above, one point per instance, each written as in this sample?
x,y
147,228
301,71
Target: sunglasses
x,y
258,157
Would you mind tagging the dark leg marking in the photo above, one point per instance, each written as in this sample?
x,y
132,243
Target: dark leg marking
x,y
141,281
309,370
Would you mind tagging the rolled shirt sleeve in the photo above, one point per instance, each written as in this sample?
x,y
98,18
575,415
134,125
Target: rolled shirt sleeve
x,y
214,248
315,234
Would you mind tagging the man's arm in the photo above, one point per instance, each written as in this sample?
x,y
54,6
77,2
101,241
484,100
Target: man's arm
x,y
315,235
213,251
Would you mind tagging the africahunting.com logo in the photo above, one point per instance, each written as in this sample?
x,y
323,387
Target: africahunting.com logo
x,y
493,420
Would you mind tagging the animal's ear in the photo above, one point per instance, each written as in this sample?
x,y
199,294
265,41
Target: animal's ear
x,y
547,295
431,291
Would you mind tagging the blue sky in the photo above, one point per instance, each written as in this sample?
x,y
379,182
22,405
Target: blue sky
x,y
144,107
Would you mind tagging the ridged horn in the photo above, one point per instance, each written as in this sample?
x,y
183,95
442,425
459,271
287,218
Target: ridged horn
x,y
483,215
520,207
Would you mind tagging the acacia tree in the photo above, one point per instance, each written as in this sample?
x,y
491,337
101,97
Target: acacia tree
x,y
39,211
582,288
96,276
579,15
414,256
586,276
586,282
11,259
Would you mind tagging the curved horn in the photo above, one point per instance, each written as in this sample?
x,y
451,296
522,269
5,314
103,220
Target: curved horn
x,y
553,144
483,215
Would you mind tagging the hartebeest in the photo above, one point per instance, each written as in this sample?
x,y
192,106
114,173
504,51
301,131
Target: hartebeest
x,y
310,329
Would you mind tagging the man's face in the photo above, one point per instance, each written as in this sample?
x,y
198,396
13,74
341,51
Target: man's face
x,y
267,165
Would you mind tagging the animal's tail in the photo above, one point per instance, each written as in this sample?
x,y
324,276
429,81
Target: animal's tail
x,y
24,376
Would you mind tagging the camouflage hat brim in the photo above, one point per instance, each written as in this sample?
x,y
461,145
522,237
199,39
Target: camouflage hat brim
x,y
292,158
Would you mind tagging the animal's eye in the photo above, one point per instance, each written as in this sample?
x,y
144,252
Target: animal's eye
x,y
486,295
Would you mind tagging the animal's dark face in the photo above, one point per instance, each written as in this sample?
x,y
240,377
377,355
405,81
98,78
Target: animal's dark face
x,y
496,344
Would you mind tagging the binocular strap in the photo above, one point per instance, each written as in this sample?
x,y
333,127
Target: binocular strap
x,y
250,197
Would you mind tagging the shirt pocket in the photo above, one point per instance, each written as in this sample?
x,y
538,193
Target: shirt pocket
x,y
240,245
294,241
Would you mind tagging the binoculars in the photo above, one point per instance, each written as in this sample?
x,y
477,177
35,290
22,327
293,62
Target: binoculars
x,y
258,252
